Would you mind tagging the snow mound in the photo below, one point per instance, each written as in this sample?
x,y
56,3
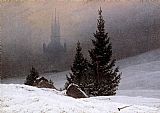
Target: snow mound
x,y
147,57
26,99
141,72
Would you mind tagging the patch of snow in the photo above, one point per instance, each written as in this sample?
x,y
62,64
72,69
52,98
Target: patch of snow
x,y
147,57
26,99
83,93
140,93
72,84
142,76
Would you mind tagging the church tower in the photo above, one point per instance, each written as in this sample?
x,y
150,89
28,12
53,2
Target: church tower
x,y
54,49
55,30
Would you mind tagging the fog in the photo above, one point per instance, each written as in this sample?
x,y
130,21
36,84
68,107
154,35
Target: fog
x,y
133,26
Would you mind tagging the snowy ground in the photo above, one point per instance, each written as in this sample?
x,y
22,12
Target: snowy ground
x,y
139,91
141,72
140,76
26,99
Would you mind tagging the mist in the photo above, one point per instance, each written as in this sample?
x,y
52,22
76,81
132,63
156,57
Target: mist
x,y
133,27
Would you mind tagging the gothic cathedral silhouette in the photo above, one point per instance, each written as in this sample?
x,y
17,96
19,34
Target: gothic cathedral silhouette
x,y
54,50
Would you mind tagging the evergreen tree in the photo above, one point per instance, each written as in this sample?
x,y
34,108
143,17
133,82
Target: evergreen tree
x,y
78,68
31,77
105,76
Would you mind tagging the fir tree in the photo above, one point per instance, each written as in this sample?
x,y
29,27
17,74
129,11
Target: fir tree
x,y
78,68
105,76
31,77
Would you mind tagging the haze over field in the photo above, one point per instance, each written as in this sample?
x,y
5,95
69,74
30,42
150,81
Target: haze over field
x,y
25,26
140,76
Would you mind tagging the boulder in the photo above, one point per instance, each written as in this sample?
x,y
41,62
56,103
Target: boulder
x,y
74,91
43,83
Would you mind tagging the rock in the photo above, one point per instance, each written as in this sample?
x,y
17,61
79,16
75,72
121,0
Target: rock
x,y
73,90
43,83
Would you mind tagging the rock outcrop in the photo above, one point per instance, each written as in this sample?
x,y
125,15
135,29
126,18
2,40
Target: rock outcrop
x,y
43,83
73,90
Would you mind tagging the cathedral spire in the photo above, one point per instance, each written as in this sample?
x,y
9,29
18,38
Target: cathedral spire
x,y
54,49
52,27
55,29
58,25
55,16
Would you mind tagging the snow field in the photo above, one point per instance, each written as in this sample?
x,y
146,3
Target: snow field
x,y
26,99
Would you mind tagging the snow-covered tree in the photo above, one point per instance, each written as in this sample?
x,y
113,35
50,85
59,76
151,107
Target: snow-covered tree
x,y
78,68
31,77
105,75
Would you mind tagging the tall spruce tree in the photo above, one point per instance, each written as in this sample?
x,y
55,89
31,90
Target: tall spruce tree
x,y
78,68
31,77
105,75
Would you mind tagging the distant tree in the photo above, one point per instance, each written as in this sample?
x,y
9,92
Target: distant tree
x,y
31,77
105,76
78,68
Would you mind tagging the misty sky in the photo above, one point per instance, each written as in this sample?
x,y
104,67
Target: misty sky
x,y
77,19
133,25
